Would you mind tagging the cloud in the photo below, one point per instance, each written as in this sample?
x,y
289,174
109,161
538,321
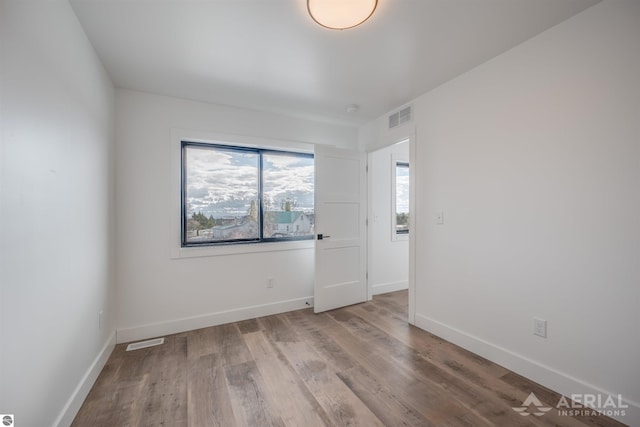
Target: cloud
x,y
402,190
224,182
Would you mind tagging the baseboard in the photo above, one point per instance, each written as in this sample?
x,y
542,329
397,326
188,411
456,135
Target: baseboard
x,y
383,288
212,319
540,373
82,390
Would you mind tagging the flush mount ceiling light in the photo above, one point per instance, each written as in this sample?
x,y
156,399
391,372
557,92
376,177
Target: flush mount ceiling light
x,y
341,14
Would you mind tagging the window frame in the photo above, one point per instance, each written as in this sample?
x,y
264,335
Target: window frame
x,y
395,233
184,144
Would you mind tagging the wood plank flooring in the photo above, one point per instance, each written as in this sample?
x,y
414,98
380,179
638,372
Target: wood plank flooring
x,y
357,366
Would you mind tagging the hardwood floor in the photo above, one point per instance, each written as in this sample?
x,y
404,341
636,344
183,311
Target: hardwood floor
x,y
358,366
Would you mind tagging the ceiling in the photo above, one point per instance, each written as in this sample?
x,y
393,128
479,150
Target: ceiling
x,y
269,54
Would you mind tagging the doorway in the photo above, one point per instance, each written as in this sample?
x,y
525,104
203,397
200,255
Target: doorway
x,y
389,215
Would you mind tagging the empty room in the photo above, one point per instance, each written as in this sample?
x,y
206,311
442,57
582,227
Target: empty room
x,y
319,213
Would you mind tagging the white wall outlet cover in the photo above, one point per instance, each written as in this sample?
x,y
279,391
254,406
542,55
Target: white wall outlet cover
x,y
540,327
440,217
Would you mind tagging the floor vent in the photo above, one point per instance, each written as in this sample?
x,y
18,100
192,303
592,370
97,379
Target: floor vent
x,y
145,344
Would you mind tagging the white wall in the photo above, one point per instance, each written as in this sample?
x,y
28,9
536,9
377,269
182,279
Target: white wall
x,y
388,252
534,157
57,221
158,294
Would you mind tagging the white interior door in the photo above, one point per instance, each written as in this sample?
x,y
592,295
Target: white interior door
x,y
341,230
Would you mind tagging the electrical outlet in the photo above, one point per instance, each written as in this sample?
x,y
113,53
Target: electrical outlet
x,y
270,282
100,320
540,327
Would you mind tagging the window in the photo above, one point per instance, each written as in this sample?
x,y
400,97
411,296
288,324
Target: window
x,y
235,194
402,198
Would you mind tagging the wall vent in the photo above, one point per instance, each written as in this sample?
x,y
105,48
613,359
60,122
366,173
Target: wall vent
x,y
400,117
145,344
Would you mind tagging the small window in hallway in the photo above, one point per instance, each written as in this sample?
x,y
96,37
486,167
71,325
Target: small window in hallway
x,y
402,198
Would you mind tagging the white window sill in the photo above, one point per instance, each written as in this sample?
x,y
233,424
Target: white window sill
x,y
240,249
402,237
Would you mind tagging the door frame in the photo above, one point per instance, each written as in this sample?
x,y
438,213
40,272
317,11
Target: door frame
x,y
410,135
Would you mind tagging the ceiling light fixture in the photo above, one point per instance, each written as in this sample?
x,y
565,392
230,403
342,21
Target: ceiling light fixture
x,y
341,14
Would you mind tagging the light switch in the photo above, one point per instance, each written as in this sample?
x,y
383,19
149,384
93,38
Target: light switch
x,y
440,217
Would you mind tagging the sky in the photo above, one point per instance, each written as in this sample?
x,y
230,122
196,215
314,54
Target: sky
x,y
222,182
